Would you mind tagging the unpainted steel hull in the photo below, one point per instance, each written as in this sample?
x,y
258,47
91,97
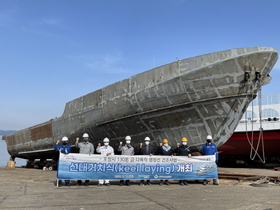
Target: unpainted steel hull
x,y
194,97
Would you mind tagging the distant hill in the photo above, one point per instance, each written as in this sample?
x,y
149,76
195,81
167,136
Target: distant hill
x,y
2,132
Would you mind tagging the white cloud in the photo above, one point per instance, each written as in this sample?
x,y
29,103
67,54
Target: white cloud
x,y
44,26
108,63
47,24
52,22
7,14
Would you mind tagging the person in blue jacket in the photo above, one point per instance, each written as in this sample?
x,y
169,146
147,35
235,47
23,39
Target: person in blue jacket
x,y
209,148
65,148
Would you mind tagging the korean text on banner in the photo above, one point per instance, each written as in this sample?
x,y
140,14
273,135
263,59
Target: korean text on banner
x,y
93,167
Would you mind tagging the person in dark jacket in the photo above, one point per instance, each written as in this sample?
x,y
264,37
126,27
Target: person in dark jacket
x,y
65,148
147,149
183,150
165,149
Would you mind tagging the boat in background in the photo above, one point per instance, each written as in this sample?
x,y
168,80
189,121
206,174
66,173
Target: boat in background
x,y
193,97
257,135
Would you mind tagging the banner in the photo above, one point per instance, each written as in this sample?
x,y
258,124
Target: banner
x,y
93,167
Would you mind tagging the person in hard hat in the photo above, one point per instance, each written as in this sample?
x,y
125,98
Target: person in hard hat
x,y
209,148
165,149
105,150
85,148
183,150
147,149
65,148
126,149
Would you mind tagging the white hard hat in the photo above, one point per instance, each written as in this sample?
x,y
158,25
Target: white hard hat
x,y
85,135
147,139
106,140
64,138
127,138
208,137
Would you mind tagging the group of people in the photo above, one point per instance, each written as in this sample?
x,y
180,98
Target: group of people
x,y
209,148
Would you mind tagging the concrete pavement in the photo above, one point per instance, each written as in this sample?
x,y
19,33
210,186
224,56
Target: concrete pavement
x,y
22,188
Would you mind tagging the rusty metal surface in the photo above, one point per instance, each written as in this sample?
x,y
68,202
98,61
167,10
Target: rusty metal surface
x,y
193,97
249,174
41,132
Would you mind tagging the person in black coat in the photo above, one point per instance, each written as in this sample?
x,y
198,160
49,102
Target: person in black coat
x,y
147,149
183,150
165,149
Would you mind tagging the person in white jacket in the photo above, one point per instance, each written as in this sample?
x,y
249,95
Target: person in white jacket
x,y
105,150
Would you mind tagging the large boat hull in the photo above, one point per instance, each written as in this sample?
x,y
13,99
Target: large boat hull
x,y
264,144
258,132
194,97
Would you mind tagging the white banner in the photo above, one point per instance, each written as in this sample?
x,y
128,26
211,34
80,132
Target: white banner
x,y
93,167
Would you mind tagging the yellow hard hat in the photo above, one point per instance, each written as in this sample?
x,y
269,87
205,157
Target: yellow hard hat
x,y
184,139
164,141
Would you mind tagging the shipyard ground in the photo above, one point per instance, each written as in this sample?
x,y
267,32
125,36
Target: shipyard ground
x,y
22,188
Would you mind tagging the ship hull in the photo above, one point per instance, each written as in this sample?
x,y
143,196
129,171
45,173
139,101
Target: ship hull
x,y
247,139
241,144
193,97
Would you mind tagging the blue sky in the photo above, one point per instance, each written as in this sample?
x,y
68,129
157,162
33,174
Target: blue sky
x,y
54,51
